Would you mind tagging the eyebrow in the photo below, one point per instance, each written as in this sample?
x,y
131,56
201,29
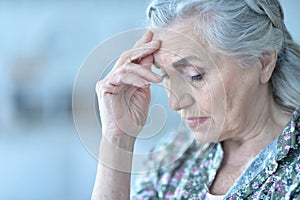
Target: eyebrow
x,y
181,62
184,61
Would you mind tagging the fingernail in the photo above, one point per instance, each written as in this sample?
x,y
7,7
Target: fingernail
x,y
146,35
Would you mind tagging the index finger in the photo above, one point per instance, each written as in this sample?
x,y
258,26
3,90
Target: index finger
x,y
147,37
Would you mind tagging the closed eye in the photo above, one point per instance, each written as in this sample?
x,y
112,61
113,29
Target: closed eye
x,y
197,77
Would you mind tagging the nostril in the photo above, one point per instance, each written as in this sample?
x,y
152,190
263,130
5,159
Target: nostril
x,y
179,102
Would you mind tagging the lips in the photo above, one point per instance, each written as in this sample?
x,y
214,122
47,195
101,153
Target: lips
x,y
193,122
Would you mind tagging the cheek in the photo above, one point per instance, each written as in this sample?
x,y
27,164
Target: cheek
x,y
239,93
211,96
203,98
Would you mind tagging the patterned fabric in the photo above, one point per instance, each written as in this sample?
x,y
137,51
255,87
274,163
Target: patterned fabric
x,y
273,174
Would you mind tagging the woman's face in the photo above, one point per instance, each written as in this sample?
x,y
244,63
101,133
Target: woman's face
x,y
217,98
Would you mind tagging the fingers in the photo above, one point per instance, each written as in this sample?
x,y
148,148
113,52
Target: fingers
x,y
147,37
135,72
136,55
133,68
147,61
132,75
110,88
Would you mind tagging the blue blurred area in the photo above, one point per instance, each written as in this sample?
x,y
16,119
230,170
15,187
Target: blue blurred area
x,y
42,44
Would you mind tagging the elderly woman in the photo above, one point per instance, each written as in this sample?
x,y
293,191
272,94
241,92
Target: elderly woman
x,y
232,71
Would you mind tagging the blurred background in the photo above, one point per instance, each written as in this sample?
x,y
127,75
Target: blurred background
x,y
42,45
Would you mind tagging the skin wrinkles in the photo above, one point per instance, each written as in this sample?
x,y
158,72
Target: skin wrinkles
x,y
219,75
218,98
236,100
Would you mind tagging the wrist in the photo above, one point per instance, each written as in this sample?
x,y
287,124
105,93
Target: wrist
x,y
116,153
120,141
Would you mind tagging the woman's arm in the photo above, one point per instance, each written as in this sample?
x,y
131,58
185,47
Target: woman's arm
x,y
123,98
112,183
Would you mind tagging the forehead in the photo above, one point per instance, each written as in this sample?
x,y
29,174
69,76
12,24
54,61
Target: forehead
x,y
179,41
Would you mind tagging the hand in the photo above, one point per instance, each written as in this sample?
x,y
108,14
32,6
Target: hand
x,y
124,94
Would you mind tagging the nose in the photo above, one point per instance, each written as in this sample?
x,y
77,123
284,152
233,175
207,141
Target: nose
x,y
180,101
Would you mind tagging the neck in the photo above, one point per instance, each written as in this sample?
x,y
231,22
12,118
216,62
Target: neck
x,y
239,152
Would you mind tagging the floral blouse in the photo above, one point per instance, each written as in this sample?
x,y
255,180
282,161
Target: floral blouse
x,y
273,174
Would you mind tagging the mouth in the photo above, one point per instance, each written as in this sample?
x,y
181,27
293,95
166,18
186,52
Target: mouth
x,y
194,122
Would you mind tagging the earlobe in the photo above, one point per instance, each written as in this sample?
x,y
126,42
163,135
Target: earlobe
x,y
267,62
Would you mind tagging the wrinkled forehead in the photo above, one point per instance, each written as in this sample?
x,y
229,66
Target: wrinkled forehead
x,y
178,42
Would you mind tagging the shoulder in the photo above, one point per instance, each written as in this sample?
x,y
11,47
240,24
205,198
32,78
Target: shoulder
x,y
284,181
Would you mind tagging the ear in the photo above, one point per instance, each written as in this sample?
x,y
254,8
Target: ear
x,y
267,62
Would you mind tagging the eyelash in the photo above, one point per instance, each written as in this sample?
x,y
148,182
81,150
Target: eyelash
x,y
196,78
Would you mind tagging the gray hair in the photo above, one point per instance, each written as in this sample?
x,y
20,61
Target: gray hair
x,y
243,29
